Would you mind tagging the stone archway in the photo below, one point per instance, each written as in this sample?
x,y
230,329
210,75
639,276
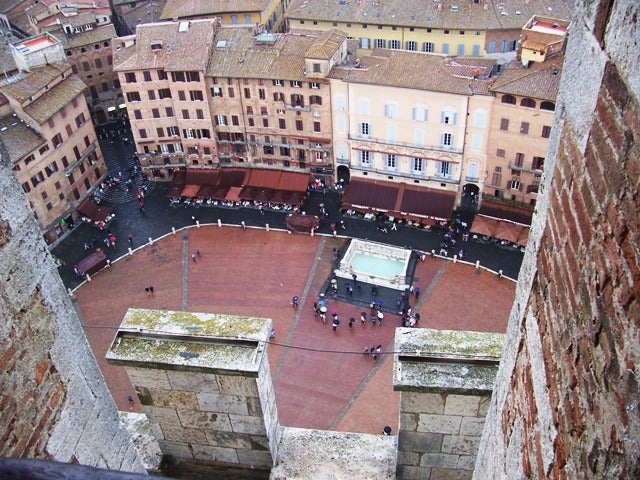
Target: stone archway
x,y
343,175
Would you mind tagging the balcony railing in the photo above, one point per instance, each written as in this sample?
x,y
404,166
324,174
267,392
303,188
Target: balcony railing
x,y
413,146
410,175
520,168
89,150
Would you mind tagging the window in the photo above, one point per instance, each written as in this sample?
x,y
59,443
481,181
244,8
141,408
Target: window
x,y
340,102
492,47
315,100
500,153
528,102
316,126
282,123
264,111
37,178
69,130
185,114
262,94
447,140
252,122
394,44
142,133
548,106
230,92
314,85
162,75
364,130
417,165
216,91
411,45
268,149
475,50
147,75
299,125
278,83
130,77
199,114
524,128
444,169
380,43
460,51
278,97
537,163
448,118
503,46
297,100
480,118
155,112
296,84
177,76
428,47
390,110
247,93
169,111
172,131
265,122
316,68
365,158
151,94
519,159
196,95
64,160
182,96
160,132
80,120
390,161
515,185
546,131
509,99
56,140
51,169
98,63
496,179
164,93
192,76
364,106
504,124
419,114
285,151
43,149
365,43
133,96
445,49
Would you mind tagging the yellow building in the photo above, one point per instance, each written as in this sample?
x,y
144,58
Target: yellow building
x,y
267,14
426,127
461,28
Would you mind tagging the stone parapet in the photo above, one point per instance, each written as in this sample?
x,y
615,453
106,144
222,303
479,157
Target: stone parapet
x,y
445,379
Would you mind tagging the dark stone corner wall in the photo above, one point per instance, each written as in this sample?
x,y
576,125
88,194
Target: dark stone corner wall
x,y
566,404
54,403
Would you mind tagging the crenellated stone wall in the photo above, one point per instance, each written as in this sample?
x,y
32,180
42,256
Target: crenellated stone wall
x,y
445,378
204,382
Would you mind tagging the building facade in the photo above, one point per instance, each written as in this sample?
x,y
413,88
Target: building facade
x,y
243,99
525,99
465,28
48,132
428,130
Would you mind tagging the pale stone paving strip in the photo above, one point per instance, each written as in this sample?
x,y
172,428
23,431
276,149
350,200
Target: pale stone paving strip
x,y
316,260
185,268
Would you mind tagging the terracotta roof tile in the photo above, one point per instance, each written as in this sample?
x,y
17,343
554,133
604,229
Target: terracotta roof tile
x,y
540,80
429,72
326,45
237,54
175,9
181,50
56,98
26,84
97,35
17,138
426,14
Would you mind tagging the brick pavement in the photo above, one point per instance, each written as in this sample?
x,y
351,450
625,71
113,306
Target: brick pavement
x,y
256,273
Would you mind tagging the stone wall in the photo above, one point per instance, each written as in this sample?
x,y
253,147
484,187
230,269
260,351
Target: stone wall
x,y
566,402
205,384
53,399
445,379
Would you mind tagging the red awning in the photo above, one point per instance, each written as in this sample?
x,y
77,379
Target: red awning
x,y
428,202
95,213
294,182
233,194
507,212
190,190
371,193
263,178
483,226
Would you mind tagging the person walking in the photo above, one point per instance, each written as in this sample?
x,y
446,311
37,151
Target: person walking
x,y
363,317
335,322
294,301
351,322
376,352
130,239
193,257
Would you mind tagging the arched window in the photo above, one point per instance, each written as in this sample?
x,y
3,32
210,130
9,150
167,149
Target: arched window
x,y
528,102
315,100
510,99
548,106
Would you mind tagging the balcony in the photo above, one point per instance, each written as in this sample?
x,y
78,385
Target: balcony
x,y
520,168
89,150
471,179
366,139
411,175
